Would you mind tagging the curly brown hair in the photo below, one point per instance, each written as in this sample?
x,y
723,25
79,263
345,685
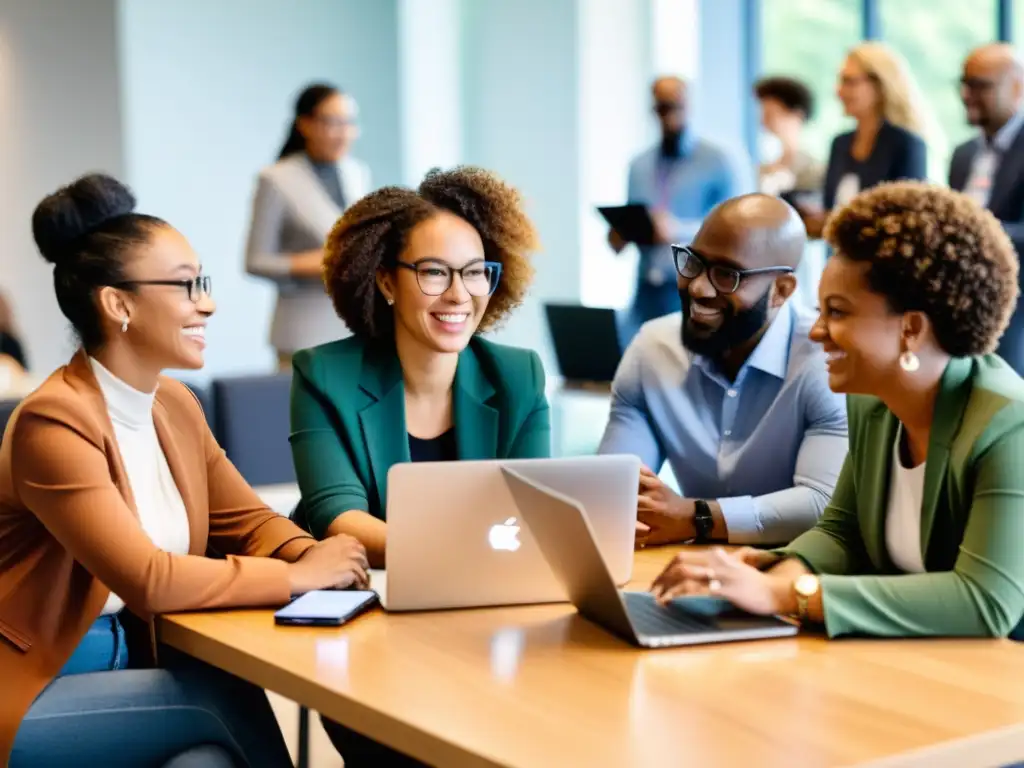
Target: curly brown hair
x,y
935,251
373,233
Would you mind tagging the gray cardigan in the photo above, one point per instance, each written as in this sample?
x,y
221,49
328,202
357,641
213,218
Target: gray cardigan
x,y
292,212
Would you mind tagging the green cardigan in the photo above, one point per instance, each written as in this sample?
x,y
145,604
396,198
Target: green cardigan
x,y
972,517
348,419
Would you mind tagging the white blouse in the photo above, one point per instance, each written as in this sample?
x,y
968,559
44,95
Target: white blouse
x,y
161,511
903,517
847,189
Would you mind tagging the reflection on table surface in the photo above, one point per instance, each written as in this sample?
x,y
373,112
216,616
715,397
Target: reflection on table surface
x,y
538,685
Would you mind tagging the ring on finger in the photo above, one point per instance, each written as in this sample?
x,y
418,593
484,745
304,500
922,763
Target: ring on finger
x,y
714,585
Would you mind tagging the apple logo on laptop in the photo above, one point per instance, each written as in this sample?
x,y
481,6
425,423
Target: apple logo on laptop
x,y
504,536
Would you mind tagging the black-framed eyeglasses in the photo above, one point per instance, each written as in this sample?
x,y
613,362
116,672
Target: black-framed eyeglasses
x,y
196,287
976,84
435,277
689,265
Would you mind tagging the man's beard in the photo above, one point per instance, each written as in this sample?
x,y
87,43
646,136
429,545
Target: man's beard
x,y
737,328
671,144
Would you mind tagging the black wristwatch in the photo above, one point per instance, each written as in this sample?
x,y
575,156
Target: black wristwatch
x,y
703,522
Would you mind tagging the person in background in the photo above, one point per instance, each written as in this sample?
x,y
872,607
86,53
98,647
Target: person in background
x,y
731,392
297,201
922,536
990,167
878,91
679,180
791,172
112,491
416,275
786,106
10,343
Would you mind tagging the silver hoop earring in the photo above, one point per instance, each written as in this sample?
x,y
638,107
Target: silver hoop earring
x,y
124,325
909,362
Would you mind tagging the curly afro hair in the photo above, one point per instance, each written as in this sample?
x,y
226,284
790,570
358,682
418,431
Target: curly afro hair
x,y
935,251
373,233
788,91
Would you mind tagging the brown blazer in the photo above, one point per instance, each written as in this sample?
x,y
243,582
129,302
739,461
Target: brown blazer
x,y
69,531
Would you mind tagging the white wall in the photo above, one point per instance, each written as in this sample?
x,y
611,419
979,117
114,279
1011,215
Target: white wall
x,y
60,116
209,89
520,73
430,84
617,64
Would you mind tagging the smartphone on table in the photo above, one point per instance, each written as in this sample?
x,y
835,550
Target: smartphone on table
x,y
325,608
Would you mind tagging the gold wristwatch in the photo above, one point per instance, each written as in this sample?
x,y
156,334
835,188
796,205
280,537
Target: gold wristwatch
x,y
805,587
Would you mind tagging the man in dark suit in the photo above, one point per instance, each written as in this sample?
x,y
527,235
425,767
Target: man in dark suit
x,y
990,167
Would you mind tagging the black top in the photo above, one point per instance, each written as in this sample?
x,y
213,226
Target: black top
x,y
9,345
440,448
897,154
329,177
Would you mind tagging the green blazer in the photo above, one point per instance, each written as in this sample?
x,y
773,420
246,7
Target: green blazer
x,y
348,419
972,517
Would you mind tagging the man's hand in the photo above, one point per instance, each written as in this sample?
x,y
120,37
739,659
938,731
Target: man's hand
x,y
667,516
616,241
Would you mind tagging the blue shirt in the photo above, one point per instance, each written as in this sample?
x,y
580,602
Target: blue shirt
x,y
687,187
768,446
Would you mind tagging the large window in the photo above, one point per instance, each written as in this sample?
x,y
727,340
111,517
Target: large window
x,y
808,40
935,36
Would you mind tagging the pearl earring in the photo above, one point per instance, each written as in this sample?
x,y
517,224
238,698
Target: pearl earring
x,y
124,324
909,362
390,302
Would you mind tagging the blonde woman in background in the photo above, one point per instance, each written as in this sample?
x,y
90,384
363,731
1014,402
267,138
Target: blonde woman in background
x,y
878,91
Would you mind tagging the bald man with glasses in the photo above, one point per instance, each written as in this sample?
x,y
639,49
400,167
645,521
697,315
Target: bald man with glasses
x,y
731,391
990,167
679,180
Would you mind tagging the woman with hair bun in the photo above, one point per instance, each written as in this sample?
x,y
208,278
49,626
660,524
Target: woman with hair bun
x,y
112,492
297,201
923,535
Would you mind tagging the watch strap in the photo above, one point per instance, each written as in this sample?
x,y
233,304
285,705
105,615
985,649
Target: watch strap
x,y
703,522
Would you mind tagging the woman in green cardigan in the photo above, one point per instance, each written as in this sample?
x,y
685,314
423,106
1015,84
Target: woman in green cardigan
x,y
416,275
923,536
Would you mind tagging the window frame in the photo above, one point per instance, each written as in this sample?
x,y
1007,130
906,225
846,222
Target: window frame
x,y
871,29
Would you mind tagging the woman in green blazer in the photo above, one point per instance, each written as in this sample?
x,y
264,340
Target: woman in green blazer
x,y
924,533
416,275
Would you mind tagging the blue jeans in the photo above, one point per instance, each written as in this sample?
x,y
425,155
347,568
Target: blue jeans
x,y
187,715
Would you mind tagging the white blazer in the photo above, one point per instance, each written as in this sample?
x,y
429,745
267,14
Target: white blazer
x,y
292,212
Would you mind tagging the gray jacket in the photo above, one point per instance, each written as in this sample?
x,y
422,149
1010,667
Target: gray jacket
x,y
292,212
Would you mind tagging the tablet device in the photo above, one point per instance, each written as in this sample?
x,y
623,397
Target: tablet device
x,y
633,222
325,608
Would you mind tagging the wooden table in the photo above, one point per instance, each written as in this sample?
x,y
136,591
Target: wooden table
x,y
538,686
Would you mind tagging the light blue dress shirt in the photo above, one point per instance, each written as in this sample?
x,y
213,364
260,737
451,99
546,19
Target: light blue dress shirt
x,y
687,187
768,446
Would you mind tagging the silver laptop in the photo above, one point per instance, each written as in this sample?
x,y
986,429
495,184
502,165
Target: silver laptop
x,y
455,539
564,535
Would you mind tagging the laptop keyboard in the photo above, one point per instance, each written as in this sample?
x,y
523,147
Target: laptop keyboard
x,y
649,618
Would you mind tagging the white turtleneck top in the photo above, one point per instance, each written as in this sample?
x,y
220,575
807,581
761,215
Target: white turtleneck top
x,y
161,511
